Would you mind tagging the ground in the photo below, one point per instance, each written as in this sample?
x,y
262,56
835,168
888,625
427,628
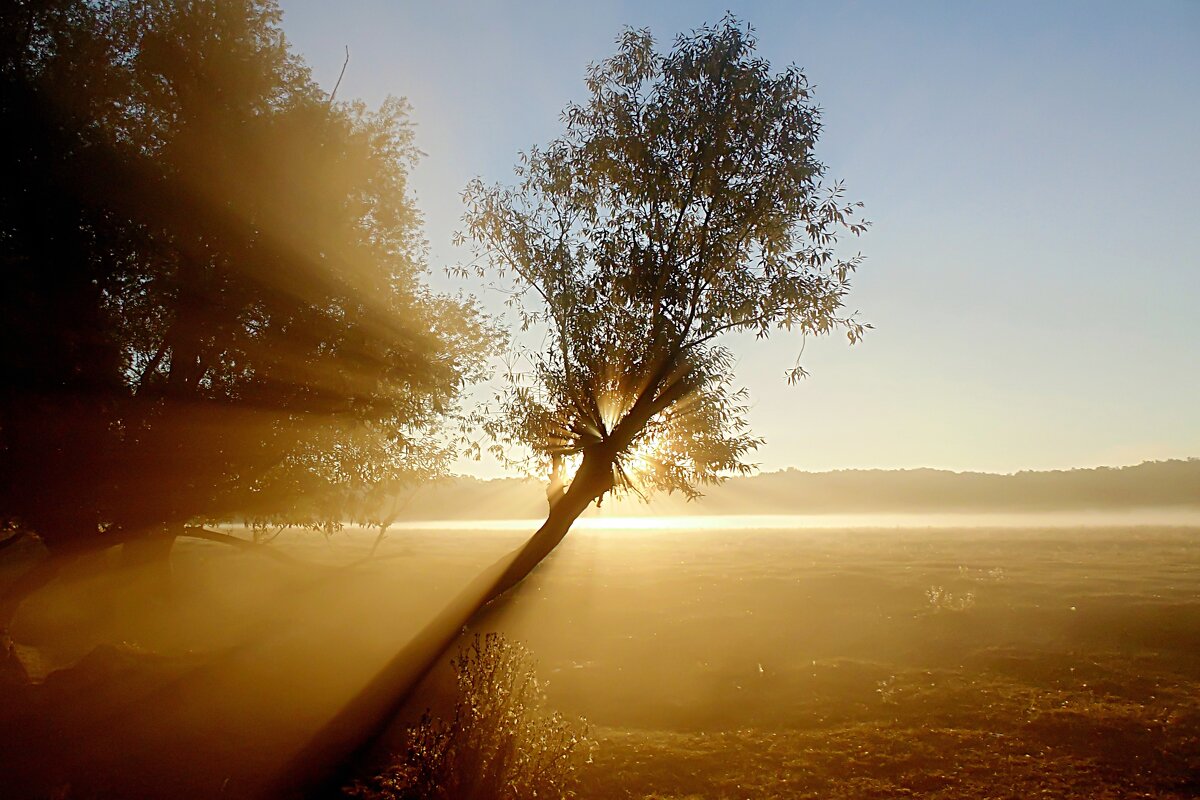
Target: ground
x,y
939,663
886,663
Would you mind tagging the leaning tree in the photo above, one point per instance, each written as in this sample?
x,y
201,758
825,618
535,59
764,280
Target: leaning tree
x,y
683,203
214,301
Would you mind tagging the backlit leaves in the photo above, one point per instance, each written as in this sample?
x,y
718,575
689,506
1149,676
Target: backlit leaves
x,y
682,202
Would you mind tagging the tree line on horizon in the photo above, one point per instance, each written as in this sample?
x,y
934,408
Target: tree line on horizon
x,y
1151,484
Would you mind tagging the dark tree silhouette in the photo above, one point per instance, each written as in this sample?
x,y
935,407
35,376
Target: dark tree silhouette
x,y
682,203
214,301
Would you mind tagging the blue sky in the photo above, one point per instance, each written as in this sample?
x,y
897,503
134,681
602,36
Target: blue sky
x,y
1031,170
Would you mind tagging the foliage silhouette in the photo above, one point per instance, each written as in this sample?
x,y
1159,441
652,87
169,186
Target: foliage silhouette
x,y
214,298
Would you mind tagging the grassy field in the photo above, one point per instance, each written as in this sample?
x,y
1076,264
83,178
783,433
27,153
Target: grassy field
x,y
940,663
877,663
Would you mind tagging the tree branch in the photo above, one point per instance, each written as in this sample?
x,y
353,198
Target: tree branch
x,y
341,75
691,190
151,365
197,532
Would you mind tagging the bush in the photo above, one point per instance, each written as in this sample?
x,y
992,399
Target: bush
x,y
942,600
499,742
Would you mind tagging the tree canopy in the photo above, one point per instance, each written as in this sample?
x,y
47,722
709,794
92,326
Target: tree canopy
x,y
682,202
214,298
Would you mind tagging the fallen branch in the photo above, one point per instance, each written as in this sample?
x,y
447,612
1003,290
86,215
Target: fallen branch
x,y
197,532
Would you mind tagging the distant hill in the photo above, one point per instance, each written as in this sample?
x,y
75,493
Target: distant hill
x,y
1153,484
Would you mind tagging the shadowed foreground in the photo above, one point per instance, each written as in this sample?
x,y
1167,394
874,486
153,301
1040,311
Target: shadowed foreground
x,y
829,663
212,689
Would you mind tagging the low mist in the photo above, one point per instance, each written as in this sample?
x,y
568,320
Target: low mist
x,y
663,635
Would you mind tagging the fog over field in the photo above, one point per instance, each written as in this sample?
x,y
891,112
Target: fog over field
x,y
785,661
878,650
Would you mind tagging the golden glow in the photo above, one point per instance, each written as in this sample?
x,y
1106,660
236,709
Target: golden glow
x,y
643,460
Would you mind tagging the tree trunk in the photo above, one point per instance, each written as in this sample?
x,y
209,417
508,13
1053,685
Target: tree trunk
x,y
321,767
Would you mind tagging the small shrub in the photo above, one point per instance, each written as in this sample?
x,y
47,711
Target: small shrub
x,y
942,600
993,575
887,690
499,742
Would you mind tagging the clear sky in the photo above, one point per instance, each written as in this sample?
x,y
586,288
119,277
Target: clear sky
x,y
1031,169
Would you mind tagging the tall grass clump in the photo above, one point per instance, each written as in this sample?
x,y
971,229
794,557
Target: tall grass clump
x,y
940,599
498,743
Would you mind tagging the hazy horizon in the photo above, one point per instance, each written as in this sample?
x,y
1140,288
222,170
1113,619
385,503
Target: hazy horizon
x,y
516,476
1162,492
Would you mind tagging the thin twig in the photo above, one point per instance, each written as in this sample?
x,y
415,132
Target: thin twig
x,y
341,75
